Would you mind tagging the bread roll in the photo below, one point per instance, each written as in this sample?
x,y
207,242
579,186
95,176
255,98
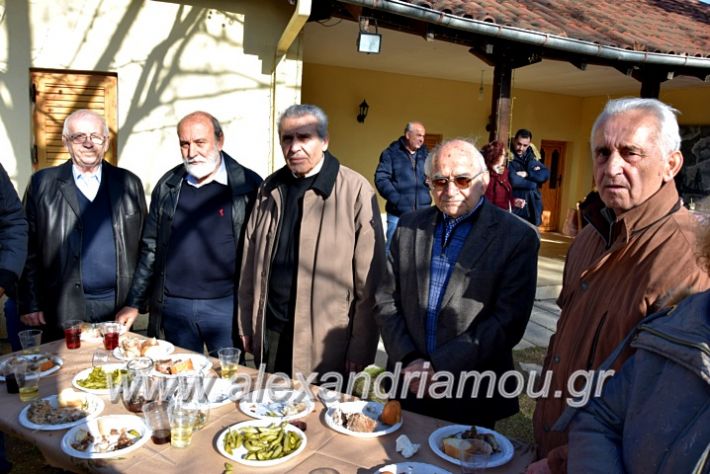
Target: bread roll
x,y
70,398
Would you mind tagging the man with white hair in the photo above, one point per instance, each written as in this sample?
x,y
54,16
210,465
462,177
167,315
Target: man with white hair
x,y
192,242
85,220
458,291
635,256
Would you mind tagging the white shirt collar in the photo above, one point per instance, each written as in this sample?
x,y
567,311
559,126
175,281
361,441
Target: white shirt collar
x,y
220,177
87,182
316,169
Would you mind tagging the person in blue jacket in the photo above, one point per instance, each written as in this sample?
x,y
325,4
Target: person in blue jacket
x,y
526,174
399,176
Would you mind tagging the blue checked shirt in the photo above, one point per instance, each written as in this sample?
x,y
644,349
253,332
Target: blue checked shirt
x,y
449,237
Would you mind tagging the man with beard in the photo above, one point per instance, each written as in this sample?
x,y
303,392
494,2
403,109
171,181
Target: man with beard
x,y
192,242
85,219
526,174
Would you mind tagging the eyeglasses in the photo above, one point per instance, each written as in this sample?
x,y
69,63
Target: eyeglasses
x,y
80,139
461,182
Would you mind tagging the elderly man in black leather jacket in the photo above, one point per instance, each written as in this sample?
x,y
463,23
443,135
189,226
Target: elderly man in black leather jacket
x,y
192,242
85,221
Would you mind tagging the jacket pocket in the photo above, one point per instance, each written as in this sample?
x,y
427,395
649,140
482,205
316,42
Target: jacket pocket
x,y
595,341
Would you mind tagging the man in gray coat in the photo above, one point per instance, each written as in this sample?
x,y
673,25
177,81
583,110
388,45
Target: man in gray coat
x,y
458,292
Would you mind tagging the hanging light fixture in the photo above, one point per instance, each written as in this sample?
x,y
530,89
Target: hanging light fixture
x,y
362,115
367,42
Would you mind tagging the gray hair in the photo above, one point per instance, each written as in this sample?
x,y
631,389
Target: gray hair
x,y
216,126
410,125
301,110
668,134
433,156
83,113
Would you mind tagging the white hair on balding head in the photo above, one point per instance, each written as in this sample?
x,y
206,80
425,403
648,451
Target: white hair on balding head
x,y
83,113
668,134
462,143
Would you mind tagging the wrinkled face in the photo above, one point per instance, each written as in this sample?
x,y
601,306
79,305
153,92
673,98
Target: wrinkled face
x,y
629,166
415,136
457,180
199,147
521,145
88,133
302,147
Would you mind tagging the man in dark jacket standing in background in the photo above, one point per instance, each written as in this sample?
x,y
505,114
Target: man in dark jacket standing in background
x,y
192,242
526,174
85,219
399,177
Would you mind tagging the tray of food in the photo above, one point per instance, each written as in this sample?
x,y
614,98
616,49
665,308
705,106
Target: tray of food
x,y
364,419
181,364
108,436
96,379
133,347
261,443
489,448
91,332
62,411
277,404
48,363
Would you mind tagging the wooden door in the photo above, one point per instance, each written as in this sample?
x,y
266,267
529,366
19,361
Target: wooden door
x,y
552,155
56,94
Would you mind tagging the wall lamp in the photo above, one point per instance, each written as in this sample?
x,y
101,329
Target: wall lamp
x,y
367,42
362,115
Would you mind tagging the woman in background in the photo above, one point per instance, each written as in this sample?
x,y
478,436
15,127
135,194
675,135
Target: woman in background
x,y
499,191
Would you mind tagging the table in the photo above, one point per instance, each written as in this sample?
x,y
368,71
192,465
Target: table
x,y
325,447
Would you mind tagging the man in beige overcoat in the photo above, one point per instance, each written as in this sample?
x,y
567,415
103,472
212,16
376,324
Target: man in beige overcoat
x,y
313,256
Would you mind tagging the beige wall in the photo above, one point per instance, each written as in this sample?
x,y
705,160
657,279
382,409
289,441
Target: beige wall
x,y
171,58
452,108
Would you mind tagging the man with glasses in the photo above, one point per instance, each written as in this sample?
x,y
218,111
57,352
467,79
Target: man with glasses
x,y
85,221
458,292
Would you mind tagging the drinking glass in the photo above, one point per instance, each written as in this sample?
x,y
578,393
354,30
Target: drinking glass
x,y
27,375
229,361
472,463
110,332
137,389
100,357
30,339
156,416
182,420
72,333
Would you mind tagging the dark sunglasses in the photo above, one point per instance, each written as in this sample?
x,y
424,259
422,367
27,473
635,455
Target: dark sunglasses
x,y
461,182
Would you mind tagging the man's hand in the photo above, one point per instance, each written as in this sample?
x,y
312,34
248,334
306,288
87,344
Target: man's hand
x,y
519,203
247,343
126,316
417,367
539,467
33,319
522,174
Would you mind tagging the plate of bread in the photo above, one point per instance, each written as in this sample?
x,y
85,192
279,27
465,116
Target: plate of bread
x,y
91,332
133,347
489,448
58,412
181,364
364,419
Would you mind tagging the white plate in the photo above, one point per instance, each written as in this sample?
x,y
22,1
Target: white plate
x,y
163,350
58,362
373,408
413,468
108,368
486,461
221,392
239,452
123,421
94,335
200,364
96,406
277,405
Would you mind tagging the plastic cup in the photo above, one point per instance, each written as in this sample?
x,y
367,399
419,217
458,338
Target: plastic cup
x,y
110,333
100,357
156,417
229,361
72,333
182,420
27,376
30,340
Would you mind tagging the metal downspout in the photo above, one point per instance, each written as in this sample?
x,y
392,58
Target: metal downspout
x,y
288,36
530,37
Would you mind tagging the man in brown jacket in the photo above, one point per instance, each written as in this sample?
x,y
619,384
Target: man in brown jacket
x,y
313,256
636,256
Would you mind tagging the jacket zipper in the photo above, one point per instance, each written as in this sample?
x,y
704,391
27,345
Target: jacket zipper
x,y
676,340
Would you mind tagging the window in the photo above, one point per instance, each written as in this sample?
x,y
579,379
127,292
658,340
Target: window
x,y
56,94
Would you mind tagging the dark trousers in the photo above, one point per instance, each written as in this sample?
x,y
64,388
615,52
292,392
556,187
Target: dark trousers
x,y
192,323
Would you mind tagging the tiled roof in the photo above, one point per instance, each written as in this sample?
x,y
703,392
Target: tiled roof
x,y
680,27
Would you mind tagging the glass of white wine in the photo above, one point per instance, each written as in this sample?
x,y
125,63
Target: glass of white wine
x,y
27,375
182,420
